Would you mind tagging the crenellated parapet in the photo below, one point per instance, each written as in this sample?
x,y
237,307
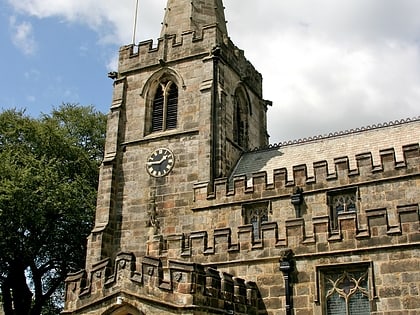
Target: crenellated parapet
x,y
169,48
300,215
189,45
282,181
355,232
180,285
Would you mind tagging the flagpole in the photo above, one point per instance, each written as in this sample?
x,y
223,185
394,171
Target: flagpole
x,y
135,22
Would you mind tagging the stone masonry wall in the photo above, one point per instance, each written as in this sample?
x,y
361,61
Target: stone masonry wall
x,y
182,288
206,226
383,232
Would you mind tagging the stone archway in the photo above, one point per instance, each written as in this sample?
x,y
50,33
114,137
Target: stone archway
x,y
124,309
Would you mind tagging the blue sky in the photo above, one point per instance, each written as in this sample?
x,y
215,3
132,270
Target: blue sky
x,y
57,62
328,65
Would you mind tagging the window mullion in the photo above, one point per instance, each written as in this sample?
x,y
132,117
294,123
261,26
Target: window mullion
x,y
165,106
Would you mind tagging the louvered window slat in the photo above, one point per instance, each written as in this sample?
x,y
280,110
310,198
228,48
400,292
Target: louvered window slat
x,y
172,107
158,106
165,107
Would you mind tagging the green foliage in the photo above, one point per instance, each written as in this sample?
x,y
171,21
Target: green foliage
x,y
48,182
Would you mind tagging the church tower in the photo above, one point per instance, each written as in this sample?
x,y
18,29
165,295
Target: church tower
x,y
183,111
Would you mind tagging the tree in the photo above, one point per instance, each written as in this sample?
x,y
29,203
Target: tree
x,y
48,182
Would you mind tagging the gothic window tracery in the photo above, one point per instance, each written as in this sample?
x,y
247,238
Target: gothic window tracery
x,y
341,201
256,214
346,292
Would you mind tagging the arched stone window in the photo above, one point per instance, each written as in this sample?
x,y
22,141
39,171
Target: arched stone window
x,y
346,293
345,289
240,119
164,106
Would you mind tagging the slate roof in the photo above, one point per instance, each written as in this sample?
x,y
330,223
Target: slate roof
x,y
371,139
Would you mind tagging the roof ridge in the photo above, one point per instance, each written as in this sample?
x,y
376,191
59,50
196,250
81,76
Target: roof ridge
x,y
336,134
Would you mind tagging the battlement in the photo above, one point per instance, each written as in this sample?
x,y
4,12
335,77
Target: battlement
x,y
189,45
181,285
373,229
242,188
169,48
387,213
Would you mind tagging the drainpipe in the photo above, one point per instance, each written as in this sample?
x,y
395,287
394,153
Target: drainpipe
x,y
286,267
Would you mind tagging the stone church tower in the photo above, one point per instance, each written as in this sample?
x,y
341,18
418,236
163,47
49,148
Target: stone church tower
x,y
193,100
192,219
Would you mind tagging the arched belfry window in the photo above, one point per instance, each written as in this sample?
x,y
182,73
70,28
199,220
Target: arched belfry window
x,y
240,119
165,106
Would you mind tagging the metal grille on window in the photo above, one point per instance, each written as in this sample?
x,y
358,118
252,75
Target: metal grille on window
x,y
165,107
346,293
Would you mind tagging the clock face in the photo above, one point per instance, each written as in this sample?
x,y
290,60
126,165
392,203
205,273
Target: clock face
x,y
160,162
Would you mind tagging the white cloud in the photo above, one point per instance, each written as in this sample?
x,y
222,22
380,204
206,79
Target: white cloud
x,y
331,65
113,63
328,65
22,36
112,19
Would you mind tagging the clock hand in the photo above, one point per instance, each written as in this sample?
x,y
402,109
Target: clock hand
x,y
154,162
157,162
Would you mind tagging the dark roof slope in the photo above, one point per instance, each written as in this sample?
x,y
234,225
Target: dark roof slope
x,y
328,148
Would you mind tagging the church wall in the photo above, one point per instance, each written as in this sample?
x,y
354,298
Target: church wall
x,y
218,232
191,97
393,281
383,233
144,199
